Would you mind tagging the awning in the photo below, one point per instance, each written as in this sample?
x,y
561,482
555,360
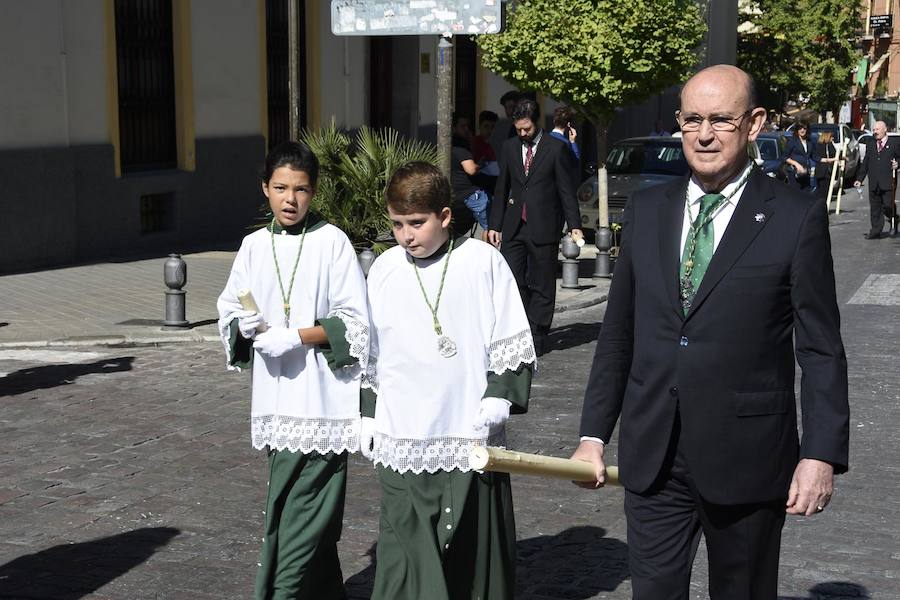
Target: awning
x,y
877,65
796,112
861,69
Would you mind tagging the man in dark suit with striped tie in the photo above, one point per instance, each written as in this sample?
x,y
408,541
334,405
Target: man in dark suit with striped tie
x,y
533,196
724,279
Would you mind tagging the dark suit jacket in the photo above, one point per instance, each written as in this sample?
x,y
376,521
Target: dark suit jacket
x,y
794,150
728,366
877,165
546,191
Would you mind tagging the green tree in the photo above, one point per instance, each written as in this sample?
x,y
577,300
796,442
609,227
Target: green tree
x,y
800,47
596,55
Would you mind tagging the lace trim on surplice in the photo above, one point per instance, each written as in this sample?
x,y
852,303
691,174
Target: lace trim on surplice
x,y
430,455
298,434
507,354
357,336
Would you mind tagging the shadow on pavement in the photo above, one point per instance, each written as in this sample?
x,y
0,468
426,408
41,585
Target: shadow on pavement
x,y
50,376
73,571
833,590
577,563
569,336
359,586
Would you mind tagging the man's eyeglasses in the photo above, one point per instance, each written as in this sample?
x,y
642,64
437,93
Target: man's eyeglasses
x,y
717,122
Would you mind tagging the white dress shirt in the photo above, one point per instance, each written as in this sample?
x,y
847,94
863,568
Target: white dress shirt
x,y
534,146
722,216
732,191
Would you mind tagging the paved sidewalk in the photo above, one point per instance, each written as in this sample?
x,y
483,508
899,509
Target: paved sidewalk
x,y
123,303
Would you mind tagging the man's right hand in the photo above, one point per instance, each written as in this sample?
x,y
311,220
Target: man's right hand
x,y
591,452
857,183
494,237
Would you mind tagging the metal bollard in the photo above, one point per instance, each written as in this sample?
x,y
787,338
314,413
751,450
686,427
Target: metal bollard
x,y
175,276
603,242
366,258
570,251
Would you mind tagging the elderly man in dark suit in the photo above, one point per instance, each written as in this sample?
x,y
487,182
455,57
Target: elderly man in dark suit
x,y
719,275
880,162
532,197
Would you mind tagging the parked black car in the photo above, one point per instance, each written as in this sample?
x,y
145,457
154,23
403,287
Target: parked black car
x,y
632,164
770,155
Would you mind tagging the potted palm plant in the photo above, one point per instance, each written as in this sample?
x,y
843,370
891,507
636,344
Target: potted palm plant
x,y
353,176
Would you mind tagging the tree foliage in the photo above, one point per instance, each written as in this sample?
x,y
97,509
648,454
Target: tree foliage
x,y
802,47
597,55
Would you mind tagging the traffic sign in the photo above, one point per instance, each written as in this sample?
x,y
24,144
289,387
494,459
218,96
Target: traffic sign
x,y
415,17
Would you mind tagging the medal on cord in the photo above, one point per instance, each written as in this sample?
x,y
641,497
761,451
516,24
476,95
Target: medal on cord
x,y
286,296
446,346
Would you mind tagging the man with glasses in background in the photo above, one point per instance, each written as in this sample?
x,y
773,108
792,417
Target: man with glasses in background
x,y
718,274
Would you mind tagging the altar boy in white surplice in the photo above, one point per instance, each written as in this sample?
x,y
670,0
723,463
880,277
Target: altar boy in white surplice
x,y
307,348
452,356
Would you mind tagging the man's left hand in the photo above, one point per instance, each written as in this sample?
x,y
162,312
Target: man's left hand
x,y
811,487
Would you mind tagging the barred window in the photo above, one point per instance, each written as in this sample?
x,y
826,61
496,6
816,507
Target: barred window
x,y
146,80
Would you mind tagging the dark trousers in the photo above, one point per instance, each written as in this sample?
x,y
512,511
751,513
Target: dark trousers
x,y
534,267
664,526
881,204
822,188
801,181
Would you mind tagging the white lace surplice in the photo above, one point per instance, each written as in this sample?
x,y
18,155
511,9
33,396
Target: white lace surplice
x,y
299,403
427,403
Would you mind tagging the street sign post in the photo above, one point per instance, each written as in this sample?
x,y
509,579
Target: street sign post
x,y
415,17
422,17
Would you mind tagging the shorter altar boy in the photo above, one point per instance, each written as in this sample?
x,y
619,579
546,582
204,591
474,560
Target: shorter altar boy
x,y
451,357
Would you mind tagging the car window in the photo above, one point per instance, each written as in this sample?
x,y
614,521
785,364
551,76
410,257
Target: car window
x,y
768,148
646,159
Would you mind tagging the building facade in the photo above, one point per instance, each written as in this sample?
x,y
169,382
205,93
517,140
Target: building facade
x,y
877,79
137,127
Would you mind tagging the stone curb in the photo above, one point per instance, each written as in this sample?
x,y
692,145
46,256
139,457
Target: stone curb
x,y
583,299
580,300
116,340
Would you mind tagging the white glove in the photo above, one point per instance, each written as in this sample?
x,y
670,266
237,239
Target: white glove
x,y
493,413
367,437
249,322
275,341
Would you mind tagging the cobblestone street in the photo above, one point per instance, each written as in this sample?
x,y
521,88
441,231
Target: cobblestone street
x,y
127,472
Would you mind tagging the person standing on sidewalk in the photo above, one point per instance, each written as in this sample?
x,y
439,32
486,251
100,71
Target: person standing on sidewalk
x,y
880,165
826,157
471,202
306,347
719,274
533,196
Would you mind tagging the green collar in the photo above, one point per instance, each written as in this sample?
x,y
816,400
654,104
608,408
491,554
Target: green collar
x,y
457,242
315,222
